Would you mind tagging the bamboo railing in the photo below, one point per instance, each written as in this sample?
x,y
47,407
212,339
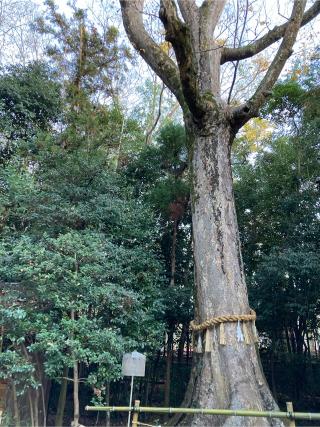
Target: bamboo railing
x,y
136,409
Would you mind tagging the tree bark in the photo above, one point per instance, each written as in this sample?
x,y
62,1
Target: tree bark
x,y
229,376
62,398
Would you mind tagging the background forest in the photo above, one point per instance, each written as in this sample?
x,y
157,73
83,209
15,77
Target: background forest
x,y
96,235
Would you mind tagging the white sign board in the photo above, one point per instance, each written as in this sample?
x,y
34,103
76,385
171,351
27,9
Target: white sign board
x,y
133,364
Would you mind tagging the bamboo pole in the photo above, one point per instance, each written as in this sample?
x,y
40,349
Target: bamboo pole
x,y
135,416
227,412
292,422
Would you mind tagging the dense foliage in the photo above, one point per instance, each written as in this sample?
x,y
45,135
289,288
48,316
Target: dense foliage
x,y
79,270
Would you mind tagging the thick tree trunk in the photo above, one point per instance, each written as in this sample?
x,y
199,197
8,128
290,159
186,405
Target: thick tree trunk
x,y
230,376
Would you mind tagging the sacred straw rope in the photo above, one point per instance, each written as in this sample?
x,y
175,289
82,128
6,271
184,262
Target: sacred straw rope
x,y
223,319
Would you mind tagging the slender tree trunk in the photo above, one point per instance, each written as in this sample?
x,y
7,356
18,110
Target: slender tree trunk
x,y
308,342
174,253
62,398
293,341
107,400
168,368
42,389
288,340
76,410
16,412
230,376
36,407
31,407
182,341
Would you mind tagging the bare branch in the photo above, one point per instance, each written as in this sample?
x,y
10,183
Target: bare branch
x,y
274,35
245,112
158,60
240,40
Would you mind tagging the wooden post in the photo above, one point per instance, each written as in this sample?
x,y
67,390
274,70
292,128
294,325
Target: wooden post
x,y
135,414
292,422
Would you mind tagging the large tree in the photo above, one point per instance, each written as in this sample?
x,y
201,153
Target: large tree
x,y
230,375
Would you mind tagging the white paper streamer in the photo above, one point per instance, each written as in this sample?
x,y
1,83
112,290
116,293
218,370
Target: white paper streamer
x,y
199,345
240,337
215,335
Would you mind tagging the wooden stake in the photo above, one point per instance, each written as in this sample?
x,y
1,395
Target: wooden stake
x,y
135,414
292,422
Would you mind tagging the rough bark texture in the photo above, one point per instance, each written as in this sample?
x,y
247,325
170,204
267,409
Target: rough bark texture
x,y
230,376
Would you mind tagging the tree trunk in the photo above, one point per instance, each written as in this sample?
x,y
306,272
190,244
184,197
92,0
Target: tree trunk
x,y
230,376
62,398
107,402
76,408
167,388
182,341
30,407
16,412
36,407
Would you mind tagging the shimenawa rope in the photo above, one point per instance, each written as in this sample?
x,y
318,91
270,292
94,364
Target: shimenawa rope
x,y
220,320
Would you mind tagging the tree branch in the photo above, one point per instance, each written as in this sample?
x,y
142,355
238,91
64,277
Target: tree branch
x,y
274,35
189,10
158,60
178,34
240,115
210,12
154,124
236,65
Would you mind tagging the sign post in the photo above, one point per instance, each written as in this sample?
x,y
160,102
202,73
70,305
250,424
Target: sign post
x,y
133,365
